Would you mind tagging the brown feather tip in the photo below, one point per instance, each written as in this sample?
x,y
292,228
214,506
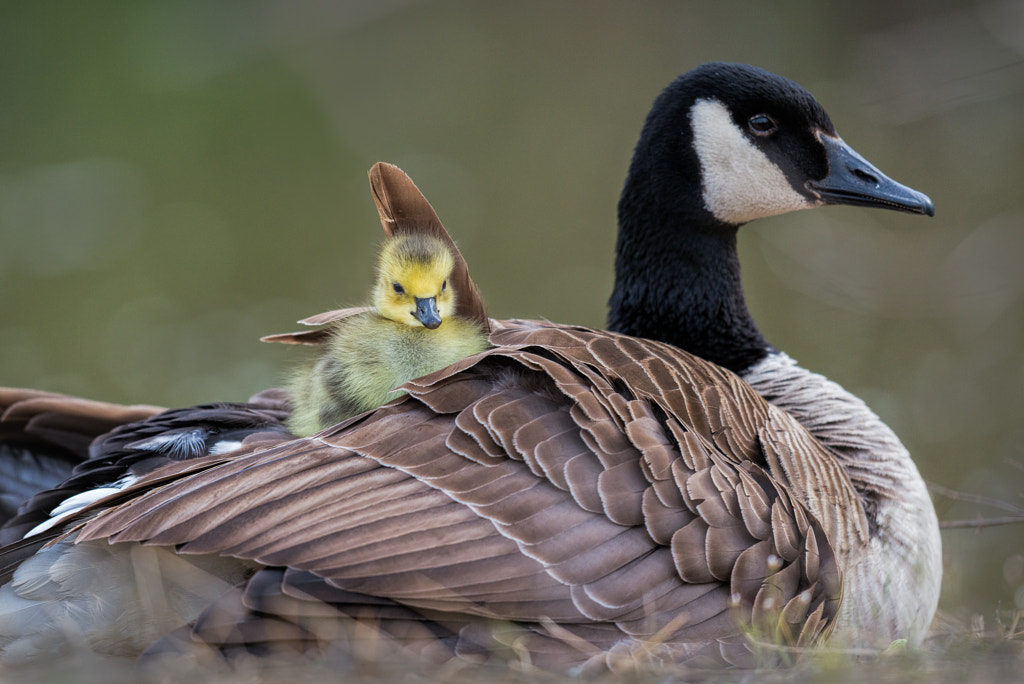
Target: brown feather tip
x,y
319,336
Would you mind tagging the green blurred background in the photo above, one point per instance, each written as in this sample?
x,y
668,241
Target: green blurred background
x,y
178,179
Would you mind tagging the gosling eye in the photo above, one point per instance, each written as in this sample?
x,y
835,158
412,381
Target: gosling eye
x,y
444,286
762,125
398,288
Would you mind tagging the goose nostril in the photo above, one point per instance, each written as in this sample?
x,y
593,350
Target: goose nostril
x,y
865,176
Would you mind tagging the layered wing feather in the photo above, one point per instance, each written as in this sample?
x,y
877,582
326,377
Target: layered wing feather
x,y
567,479
44,436
124,442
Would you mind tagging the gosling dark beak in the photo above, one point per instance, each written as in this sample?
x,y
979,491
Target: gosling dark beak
x,y
852,179
426,312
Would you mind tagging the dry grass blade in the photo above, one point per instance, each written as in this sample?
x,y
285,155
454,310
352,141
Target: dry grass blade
x,y
979,522
956,495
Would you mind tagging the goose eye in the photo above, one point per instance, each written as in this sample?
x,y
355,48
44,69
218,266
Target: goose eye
x,y
398,288
762,124
444,286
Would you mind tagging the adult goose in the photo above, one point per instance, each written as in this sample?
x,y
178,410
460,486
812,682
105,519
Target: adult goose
x,y
589,491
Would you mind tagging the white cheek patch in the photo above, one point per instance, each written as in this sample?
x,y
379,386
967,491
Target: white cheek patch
x,y
740,183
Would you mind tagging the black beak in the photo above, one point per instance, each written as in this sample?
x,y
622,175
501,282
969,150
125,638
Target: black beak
x,y
426,312
852,179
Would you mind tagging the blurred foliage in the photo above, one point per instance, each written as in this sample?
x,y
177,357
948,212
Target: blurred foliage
x,y
177,179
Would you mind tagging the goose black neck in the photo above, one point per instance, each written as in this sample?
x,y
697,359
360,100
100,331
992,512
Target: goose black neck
x,y
677,272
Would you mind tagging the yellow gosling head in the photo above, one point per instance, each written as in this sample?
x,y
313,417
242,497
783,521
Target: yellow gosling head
x,y
412,281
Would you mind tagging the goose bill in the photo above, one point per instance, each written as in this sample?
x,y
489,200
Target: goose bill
x,y
852,179
426,312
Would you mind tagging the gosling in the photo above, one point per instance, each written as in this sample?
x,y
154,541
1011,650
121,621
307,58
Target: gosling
x,y
409,331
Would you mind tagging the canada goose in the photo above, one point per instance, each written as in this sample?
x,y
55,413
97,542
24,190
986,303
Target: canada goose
x,y
412,328
591,489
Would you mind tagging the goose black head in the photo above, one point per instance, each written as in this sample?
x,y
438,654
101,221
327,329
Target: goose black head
x,y
725,144
743,143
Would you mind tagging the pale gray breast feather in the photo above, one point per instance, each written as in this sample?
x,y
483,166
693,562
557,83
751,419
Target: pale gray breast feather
x,y
869,450
891,585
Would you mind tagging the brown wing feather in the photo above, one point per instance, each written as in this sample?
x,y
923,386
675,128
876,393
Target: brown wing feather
x,y
43,437
453,500
67,422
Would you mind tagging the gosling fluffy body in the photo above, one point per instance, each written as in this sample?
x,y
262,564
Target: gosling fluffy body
x,y
410,331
